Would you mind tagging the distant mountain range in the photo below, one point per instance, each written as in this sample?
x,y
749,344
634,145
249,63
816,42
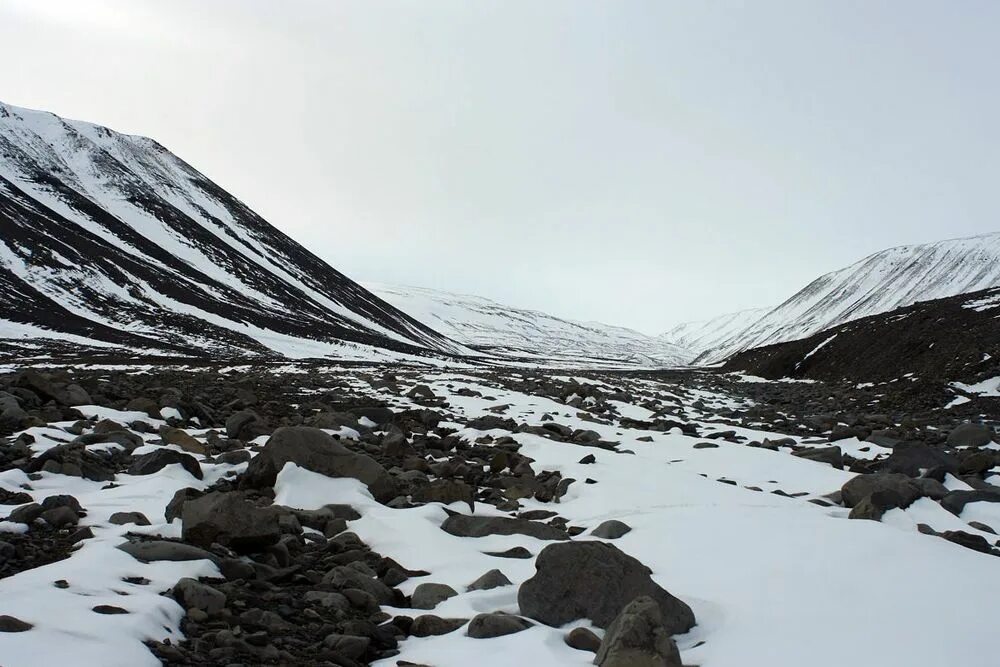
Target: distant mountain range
x,y
510,332
887,280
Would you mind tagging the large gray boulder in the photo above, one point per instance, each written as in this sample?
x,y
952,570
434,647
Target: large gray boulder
x,y
314,450
919,460
637,638
594,580
230,520
970,435
463,525
863,486
956,501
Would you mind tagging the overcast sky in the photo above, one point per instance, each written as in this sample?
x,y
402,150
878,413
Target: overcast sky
x,y
638,163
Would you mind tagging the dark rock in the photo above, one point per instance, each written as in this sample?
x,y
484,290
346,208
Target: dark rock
x,y
430,595
861,486
12,624
192,594
583,639
156,550
970,435
109,610
918,460
349,646
246,425
446,491
638,638
230,520
153,462
492,579
513,552
873,506
967,540
611,529
956,501
123,518
833,456
594,580
60,517
26,514
314,450
497,624
463,525
429,625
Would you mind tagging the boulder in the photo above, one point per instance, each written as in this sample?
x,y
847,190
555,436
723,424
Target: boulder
x,y
464,525
246,425
125,518
230,520
156,550
181,438
155,461
594,580
919,460
14,624
314,450
446,491
861,486
428,596
638,638
192,594
430,625
873,506
497,624
583,639
490,580
970,435
956,501
611,529
833,455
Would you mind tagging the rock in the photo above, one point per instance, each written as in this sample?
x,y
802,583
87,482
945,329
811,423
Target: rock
x,y
463,525
227,518
492,579
873,506
147,464
349,646
967,540
12,624
611,529
931,488
348,577
123,518
176,436
861,486
638,638
246,425
956,501
156,550
588,459
428,596
970,435
192,594
429,625
513,552
583,639
833,455
26,513
109,610
919,460
977,463
147,405
176,505
497,624
705,445
594,580
421,392
327,599
314,450
446,491
60,517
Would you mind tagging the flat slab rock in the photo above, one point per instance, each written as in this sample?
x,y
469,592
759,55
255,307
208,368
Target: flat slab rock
x,y
463,525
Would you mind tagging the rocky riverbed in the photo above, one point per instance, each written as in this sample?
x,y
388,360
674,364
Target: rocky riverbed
x,y
304,514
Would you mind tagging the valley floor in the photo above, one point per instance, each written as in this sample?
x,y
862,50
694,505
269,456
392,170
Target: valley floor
x,y
731,488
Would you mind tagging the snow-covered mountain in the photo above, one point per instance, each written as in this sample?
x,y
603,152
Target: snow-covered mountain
x,y
108,239
882,282
705,334
508,331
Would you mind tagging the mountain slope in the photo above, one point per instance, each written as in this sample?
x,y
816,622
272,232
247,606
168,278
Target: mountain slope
x,y
882,282
705,334
111,238
508,331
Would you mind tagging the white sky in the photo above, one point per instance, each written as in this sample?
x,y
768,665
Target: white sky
x,y
638,163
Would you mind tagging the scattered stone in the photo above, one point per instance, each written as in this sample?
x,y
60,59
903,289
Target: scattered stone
x,y
611,529
192,594
13,624
463,525
492,579
856,489
124,518
430,595
429,625
153,462
497,624
230,520
638,638
970,435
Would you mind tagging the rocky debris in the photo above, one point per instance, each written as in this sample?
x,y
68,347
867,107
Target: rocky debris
x,y
496,624
246,425
919,460
594,580
124,518
314,450
638,638
75,460
446,491
490,580
155,461
191,594
583,639
429,595
229,519
611,529
463,525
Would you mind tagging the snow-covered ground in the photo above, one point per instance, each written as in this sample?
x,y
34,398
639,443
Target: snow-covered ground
x,y
774,581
